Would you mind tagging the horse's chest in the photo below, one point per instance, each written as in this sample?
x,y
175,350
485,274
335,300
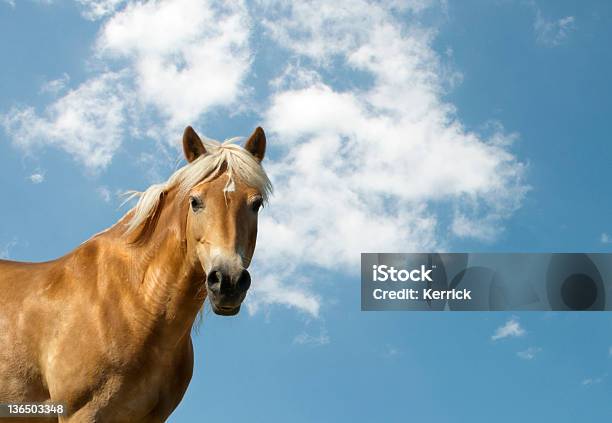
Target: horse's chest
x,y
153,392
141,398
141,388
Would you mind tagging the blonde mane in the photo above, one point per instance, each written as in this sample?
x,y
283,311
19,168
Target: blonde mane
x,y
239,164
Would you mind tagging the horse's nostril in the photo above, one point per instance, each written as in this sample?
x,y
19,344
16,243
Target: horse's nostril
x,y
244,281
214,278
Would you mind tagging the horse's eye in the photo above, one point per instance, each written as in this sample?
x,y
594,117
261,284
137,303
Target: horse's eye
x,y
196,203
256,204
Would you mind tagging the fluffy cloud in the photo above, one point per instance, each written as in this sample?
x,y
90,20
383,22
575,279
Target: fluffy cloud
x,y
273,288
37,177
511,329
104,194
382,166
530,353
551,33
305,338
55,85
186,56
165,65
96,9
86,123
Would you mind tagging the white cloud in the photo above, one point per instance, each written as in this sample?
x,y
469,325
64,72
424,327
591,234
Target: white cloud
x,y
463,226
37,177
593,380
530,353
511,329
186,56
605,238
86,123
5,250
274,289
165,65
307,339
104,193
55,85
96,9
320,29
551,33
11,3
374,167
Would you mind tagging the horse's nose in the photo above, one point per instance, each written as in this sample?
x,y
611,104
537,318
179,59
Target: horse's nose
x,y
222,283
244,281
218,281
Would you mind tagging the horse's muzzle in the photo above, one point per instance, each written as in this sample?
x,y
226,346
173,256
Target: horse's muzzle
x,y
226,292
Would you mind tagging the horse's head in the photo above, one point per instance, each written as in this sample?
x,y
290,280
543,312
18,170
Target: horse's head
x,y
221,225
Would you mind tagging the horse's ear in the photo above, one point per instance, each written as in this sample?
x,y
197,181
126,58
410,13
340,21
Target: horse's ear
x,y
192,145
256,144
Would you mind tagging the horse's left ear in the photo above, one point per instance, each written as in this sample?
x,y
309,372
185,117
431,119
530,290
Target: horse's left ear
x,y
192,145
256,144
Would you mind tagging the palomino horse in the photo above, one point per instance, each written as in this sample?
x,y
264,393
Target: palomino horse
x,y
106,329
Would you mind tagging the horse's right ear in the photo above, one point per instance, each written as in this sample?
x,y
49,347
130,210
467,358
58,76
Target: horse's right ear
x,y
192,145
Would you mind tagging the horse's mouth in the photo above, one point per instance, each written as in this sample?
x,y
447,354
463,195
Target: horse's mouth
x,y
225,311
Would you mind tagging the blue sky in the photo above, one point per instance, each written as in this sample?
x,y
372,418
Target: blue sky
x,y
411,126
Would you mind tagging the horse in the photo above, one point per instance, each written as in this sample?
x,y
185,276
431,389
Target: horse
x,y
106,329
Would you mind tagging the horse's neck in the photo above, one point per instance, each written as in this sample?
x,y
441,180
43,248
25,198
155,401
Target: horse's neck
x,y
168,285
